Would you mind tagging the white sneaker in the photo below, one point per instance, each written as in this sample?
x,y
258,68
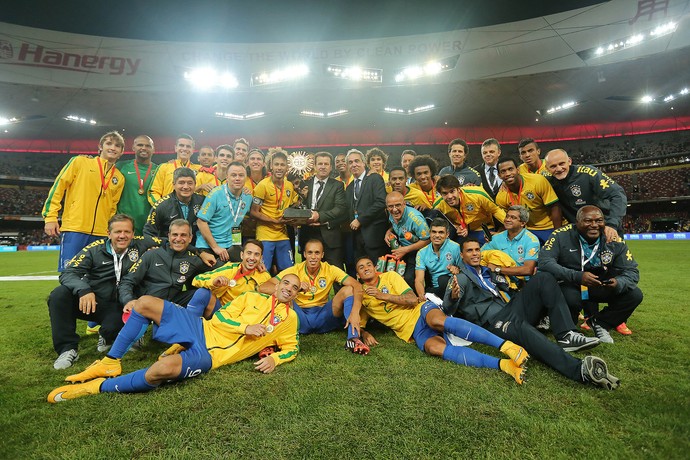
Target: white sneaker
x,y
102,346
66,359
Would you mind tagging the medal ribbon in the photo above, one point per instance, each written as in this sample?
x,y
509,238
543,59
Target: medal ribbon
x,y
515,200
431,200
274,302
279,201
462,215
105,182
181,164
146,176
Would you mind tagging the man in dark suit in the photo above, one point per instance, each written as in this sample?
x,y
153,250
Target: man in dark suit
x,y
325,197
366,196
488,171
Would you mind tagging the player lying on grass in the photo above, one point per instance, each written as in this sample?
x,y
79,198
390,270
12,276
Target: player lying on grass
x,y
389,300
241,329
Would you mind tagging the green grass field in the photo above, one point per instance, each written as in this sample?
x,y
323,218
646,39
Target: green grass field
x,y
394,403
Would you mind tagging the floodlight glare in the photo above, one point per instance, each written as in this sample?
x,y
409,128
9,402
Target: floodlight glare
x,y
289,73
355,73
646,99
428,69
79,119
234,116
559,108
207,78
628,42
311,113
423,108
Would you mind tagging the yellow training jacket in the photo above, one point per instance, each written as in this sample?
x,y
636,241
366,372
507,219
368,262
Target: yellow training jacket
x,y
162,184
87,207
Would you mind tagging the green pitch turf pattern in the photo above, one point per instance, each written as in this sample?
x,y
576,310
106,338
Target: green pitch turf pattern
x,y
394,403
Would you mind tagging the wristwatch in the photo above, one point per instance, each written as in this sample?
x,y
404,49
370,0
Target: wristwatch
x,y
497,270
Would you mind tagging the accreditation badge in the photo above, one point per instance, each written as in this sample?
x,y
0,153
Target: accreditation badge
x,y
236,236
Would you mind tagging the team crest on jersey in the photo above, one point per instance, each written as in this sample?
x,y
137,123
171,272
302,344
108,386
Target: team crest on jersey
x,y
449,256
606,257
384,290
322,283
529,195
500,278
520,250
461,179
133,255
287,192
184,267
115,180
575,190
182,279
243,205
470,207
197,207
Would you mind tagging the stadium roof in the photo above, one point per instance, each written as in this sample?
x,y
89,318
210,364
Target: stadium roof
x,y
501,77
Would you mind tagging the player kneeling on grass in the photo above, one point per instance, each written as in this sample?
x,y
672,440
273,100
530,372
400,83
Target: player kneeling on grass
x,y
317,314
389,300
241,329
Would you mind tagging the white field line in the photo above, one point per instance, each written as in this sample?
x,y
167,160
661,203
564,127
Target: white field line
x,y
29,278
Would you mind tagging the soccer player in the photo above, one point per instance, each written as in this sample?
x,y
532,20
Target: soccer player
x,y
212,175
344,175
476,294
529,154
241,149
457,152
221,215
409,229
467,207
434,262
138,175
91,189
591,270
226,283
256,169
532,191
241,329
580,185
399,183
390,301
423,170
317,314
272,196
88,288
163,182
376,162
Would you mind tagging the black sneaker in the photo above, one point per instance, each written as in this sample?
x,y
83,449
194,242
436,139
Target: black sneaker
x,y
600,331
576,341
593,370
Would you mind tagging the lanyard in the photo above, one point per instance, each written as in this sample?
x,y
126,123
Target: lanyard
x,y
105,182
279,201
239,204
274,302
117,264
515,200
146,176
582,254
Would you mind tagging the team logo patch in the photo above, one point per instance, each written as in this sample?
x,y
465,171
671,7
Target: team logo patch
x,y
500,278
114,180
257,201
322,283
384,290
449,256
520,250
529,195
470,207
184,267
182,279
133,255
287,192
575,190
606,257
243,205
461,179
197,208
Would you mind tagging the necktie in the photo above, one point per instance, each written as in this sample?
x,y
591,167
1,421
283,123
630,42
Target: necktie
x,y
357,181
492,178
319,191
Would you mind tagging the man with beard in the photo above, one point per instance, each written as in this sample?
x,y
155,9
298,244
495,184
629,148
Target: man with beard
x,y
139,174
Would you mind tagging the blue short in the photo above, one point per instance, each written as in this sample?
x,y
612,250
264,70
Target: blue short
x,y
181,326
422,332
283,254
543,235
318,320
70,245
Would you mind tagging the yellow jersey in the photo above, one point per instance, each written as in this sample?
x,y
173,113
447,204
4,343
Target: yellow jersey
x,y
476,208
273,202
536,194
91,189
430,200
205,177
401,320
319,286
241,282
345,183
414,196
224,332
163,182
524,169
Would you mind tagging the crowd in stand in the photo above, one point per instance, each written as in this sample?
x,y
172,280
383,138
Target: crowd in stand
x,y
22,201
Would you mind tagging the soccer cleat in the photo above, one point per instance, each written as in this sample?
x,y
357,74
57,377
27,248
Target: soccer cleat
x,y
66,359
577,341
585,327
518,354
92,330
266,352
544,324
102,346
599,331
106,367
67,392
174,349
623,329
509,367
357,346
594,371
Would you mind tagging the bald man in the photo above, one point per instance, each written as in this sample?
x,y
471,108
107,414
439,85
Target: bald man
x,y
139,174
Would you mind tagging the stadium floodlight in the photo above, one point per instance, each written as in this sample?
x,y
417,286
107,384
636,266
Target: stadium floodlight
x,y
290,73
207,78
234,116
560,108
311,113
355,73
80,119
647,99
398,111
8,121
628,42
428,69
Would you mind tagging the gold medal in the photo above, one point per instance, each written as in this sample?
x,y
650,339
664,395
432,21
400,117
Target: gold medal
x,y
269,328
232,283
312,289
141,191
